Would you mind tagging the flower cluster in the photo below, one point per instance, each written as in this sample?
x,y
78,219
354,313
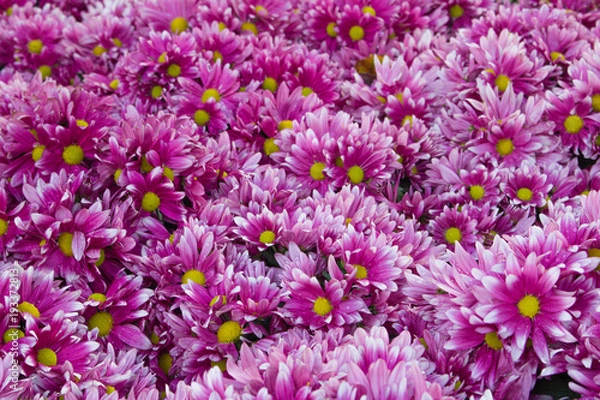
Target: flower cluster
x,y
243,199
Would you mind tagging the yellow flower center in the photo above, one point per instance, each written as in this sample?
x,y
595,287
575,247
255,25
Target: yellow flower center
x,y
154,338
456,11
502,82
146,166
555,55
12,334
47,357
211,94
114,84
361,271
3,226
73,154
117,42
98,50
221,364
156,91
35,46
26,307
65,243
165,361
529,306
322,306
99,297
215,299
409,119
201,117
356,174
249,27
100,259
162,58
369,10
229,332
103,321
285,124
573,124
174,70
270,84
306,91
110,389
195,276
179,25
261,10
505,147
593,252
357,33
476,192
217,55
596,102
492,340
267,237
150,202
453,235
270,147
117,174
316,171
221,26
524,194
168,172
45,70
82,123
331,29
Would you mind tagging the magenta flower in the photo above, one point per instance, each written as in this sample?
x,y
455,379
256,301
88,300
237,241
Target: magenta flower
x,y
525,304
156,192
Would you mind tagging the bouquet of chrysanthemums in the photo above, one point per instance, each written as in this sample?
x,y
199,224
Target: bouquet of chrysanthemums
x,y
299,199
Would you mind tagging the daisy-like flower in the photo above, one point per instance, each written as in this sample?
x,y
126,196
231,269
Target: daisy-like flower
x,y
113,315
526,186
315,306
58,344
321,22
221,44
175,17
355,26
156,192
262,230
452,226
525,304
575,121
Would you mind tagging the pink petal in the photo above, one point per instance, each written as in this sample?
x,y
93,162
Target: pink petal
x,y
132,335
78,245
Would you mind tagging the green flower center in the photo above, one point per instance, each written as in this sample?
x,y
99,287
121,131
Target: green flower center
x,y
150,202
99,297
456,11
270,147
369,10
453,235
361,271
195,276
322,306
316,171
505,147
179,25
529,306
270,84
3,227
201,117
306,91
35,46
98,50
73,154
12,334
357,33
573,124
211,94
356,174
331,29
156,91
229,332
493,341
524,194
47,357
596,102
103,321
37,152
476,192
267,237
45,70
165,361
65,243
502,82
174,70
26,307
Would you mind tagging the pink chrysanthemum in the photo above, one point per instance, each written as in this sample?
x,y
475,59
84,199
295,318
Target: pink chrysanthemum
x,y
156,192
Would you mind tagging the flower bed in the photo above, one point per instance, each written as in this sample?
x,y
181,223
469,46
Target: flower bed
x,y
239,199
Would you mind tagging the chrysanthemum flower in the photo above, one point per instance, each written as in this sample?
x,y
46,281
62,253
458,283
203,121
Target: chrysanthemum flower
x,y
524,304
221,44
156,192
175,17
526,186
112,315
321,22
355,26
452,226
315,306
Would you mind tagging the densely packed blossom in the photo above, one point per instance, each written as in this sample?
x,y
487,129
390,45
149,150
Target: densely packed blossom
x,y
275,199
